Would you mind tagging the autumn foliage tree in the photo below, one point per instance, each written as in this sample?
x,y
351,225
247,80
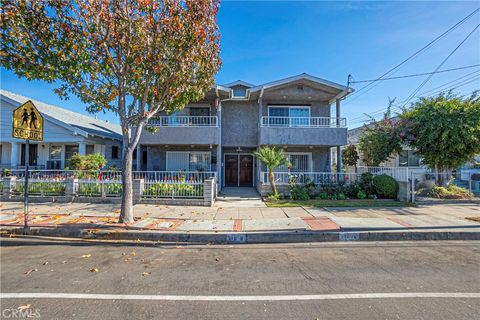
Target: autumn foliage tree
x,y
132,57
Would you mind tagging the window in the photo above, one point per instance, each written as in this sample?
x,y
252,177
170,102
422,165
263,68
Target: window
x,y
55,153
408,158
299,162
239,92
69,152
293,116
188,161
114,152
90,149
32,154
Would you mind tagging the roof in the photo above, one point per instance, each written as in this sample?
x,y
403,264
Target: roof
x,y
239,83
77,122
303,76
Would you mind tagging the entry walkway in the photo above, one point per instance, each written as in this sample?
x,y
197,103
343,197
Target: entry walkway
x,y
239,197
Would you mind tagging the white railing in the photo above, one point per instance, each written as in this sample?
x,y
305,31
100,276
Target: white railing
x,y
174,176
98,188
184,121
182,189
304,122
398,173
319,178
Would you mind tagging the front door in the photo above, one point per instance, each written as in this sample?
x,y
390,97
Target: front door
x,y
238,170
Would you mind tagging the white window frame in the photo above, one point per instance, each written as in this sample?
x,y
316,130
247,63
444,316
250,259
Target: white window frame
x,y
309,160
290,107
189,153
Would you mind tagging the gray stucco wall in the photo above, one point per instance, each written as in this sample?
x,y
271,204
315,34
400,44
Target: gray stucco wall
x,y
239,123
303,136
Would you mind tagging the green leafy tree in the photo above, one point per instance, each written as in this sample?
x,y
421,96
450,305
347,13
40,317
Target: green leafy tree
x,y
444,130
94,161
272,158
350,156
134,58
380,139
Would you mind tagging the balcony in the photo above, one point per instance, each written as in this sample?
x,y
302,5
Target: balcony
x,y
303,131
186,130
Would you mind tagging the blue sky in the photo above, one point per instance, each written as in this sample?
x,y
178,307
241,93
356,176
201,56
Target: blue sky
x,y
264,41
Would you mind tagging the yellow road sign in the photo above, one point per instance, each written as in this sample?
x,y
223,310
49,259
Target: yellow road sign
x,y
27,122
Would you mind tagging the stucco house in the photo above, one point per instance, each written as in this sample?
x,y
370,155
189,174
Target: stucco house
x,y
65,133
221,132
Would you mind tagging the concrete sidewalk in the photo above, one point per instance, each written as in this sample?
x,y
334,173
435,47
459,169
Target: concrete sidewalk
x,y
235,219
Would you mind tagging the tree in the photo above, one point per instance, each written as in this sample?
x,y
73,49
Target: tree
x,y
350,156
135,58
380,139
444,130
272,158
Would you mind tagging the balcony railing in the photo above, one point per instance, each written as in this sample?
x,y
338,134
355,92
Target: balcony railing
x,y
184,121
304,122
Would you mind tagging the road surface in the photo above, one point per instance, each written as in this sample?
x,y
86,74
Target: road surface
x,y
98,280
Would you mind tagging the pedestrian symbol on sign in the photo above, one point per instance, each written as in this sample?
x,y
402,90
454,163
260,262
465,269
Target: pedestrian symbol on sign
x,y
27,122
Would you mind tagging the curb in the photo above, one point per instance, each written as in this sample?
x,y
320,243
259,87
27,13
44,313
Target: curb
x,y
246,237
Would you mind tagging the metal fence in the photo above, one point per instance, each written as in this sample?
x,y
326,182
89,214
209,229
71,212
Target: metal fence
x,y
319,178
445,186
157,184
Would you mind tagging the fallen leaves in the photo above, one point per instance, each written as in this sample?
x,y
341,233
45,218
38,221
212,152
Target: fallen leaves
x,y
86,256
146,274
94,270
25,306
30,271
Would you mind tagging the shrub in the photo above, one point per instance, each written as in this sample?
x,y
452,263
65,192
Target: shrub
x,y
366,183
159,189
450,192
341,196
352,189
361,195
297,192
274,197
386,186
321,196
94,161
372,196
6,172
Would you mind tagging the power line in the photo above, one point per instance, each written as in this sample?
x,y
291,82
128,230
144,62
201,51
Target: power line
x,y
450,82
418,74
410,57
440,65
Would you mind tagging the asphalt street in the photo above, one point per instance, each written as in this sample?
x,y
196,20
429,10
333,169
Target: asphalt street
x,y
102,280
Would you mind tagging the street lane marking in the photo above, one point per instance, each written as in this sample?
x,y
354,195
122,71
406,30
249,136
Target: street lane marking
x,y
240,298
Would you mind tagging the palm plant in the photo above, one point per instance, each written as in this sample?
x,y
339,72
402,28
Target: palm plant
x,y
272,158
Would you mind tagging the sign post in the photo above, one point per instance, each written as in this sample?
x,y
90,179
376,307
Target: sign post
x,y
27,124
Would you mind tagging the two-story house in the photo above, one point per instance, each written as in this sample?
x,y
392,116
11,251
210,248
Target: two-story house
x,y
221,133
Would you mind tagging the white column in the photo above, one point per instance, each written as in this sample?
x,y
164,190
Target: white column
x,y
339,148
82,148
139,157
14,154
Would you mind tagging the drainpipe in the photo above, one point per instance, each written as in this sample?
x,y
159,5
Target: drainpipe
x,y
219,146
260,112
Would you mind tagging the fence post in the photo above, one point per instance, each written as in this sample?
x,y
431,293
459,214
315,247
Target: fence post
x,y
138,186
470,174
70,184
413,188
209,192
9,184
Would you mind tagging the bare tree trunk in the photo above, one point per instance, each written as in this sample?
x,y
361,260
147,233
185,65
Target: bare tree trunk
x,y
126,211
271,179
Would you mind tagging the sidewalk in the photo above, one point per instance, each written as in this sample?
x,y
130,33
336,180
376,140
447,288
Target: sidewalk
x,y
189,219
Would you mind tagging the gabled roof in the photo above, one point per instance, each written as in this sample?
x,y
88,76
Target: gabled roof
x,y
303,76
239,83
74,121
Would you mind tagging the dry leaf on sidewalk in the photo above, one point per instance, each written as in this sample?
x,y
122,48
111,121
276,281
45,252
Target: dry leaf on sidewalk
x,y
25,306
146,274
30,271
94,270
86,255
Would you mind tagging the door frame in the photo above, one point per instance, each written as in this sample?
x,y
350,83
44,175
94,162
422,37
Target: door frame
x,y
238,154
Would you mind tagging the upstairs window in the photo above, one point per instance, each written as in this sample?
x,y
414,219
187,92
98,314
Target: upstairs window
x,y
239,92
293,116
408,158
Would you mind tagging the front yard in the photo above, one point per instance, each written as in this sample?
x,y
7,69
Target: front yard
x,y
338,203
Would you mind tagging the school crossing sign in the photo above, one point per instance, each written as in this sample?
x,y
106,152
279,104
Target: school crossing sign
x,y
27,122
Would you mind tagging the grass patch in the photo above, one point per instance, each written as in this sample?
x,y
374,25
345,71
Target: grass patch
x,y
339,203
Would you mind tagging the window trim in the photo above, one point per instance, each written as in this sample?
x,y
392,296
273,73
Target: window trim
x,y
309,160
209,169
309,107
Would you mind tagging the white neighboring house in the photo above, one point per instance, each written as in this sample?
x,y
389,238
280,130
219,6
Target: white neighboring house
x,y
65,133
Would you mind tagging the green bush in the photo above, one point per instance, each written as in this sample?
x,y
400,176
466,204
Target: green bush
x,y
94,161
322,196
450,192
341,196
366,183
159,189
42,188
297,191
361,195
386,186
352,189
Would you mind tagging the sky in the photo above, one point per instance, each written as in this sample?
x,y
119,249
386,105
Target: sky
x,y
263,41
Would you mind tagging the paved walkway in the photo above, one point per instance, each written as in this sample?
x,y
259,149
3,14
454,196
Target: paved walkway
x,y
239,198
204,219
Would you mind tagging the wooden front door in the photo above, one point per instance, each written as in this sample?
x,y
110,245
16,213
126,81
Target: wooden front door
x,y
246,170
238,170
231,170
